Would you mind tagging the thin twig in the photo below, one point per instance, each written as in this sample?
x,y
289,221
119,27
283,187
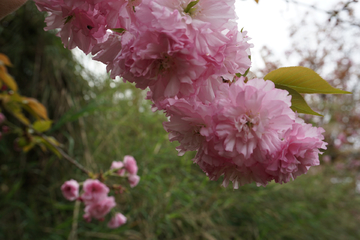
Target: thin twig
x,y
332,14
61,152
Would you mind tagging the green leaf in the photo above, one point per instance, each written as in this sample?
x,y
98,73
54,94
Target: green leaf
x,y
298,103
118,30
68,19
42,126
303,80
190,5
11,104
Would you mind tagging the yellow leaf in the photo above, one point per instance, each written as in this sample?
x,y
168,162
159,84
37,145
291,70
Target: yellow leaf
x,y
28,147
7,79
35,108
16,98
4,97
4,60
21,117
257,1
14,107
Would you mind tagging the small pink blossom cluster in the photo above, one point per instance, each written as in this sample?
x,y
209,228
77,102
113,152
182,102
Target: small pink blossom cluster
x,y
190,54
128,168
95,193
96,199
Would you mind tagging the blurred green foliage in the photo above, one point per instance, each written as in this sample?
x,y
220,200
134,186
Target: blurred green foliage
x,y
174,199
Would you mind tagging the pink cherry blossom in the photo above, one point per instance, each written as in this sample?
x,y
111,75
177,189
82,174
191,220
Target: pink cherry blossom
x,y
130,164
94,191
49,5
299,151
154,60
235,55
206,90
100,208
171,51
217,14
257,137
70,190
107,51
117,221
83,24
216,166
247,134
204,93
188,121
252,116
133,180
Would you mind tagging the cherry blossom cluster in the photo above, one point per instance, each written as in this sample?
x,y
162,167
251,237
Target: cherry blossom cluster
x,y
248,133
193,59
95,193
170,46
127,168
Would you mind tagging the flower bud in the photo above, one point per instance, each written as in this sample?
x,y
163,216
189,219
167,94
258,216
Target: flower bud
x,y
133,180
117,221
70,190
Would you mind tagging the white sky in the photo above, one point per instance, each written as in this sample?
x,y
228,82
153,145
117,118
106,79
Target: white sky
x,y
267,23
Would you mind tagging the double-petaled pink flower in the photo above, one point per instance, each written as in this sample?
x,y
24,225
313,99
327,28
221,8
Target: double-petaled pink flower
x,y
94,191
98,209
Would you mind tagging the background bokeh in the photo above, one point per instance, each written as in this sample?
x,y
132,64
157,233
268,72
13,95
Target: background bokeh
x,y
100,120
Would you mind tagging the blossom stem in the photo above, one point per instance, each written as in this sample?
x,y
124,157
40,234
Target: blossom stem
x,y
73,233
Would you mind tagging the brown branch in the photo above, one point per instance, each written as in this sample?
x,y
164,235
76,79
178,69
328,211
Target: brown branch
x,y
332,14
